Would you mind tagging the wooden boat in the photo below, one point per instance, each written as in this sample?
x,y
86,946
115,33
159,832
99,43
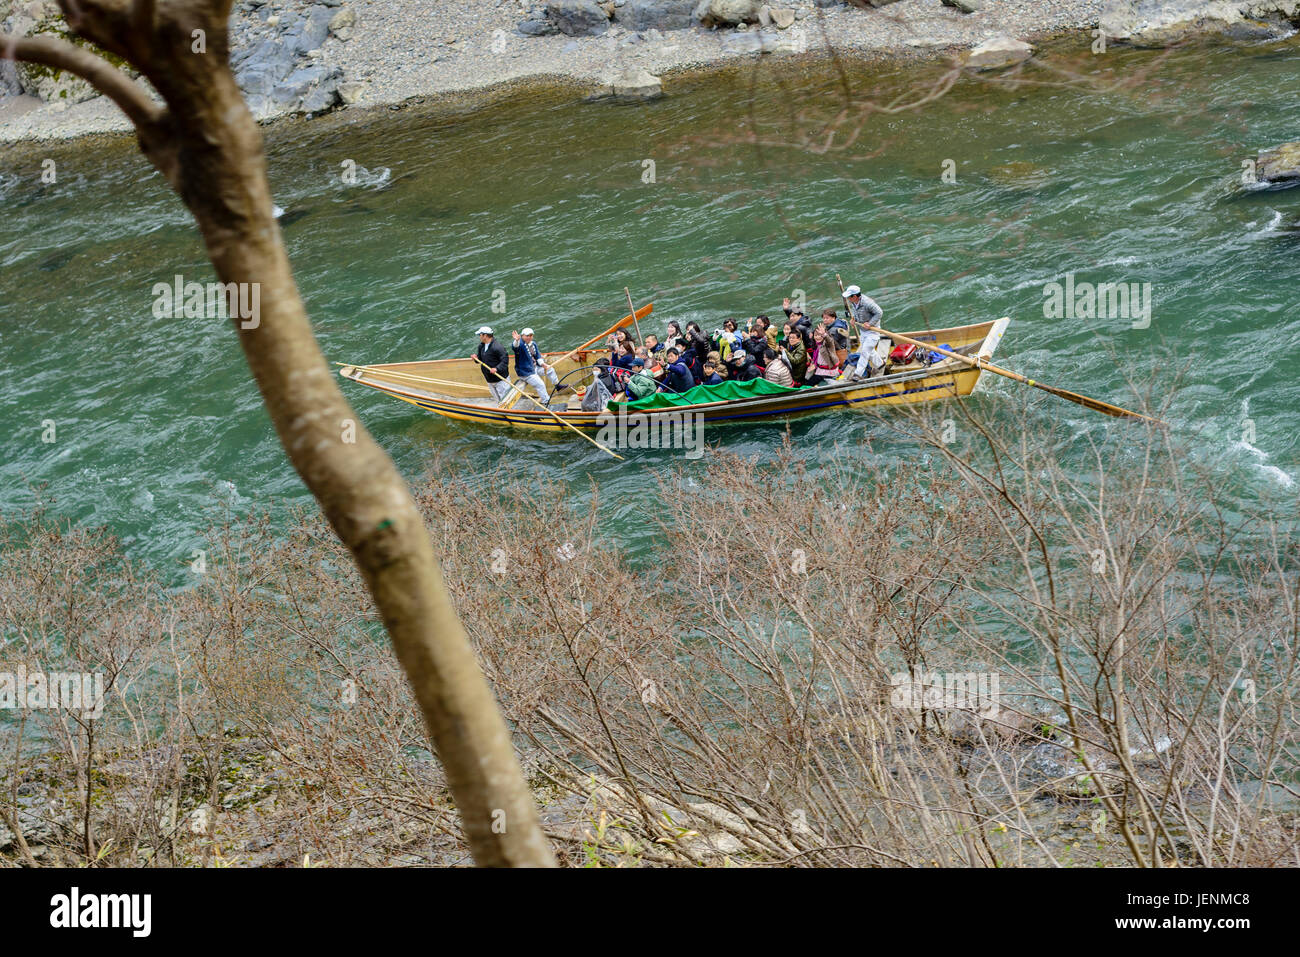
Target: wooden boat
x,y
454,388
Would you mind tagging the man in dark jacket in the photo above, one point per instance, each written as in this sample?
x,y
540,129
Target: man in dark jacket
x,y
678,377
495,364
740,367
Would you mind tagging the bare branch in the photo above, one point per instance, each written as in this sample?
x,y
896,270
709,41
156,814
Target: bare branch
x,y
98,72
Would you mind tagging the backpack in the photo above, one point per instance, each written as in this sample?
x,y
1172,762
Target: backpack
x,y
932,357
596,397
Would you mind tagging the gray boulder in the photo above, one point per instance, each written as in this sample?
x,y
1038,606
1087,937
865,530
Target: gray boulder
x,y
1161,23
637,84
656,14
997,53
747,42
272,57
324,94
1281,164
47,83
539,27
727,13
965,6
309,31
577,18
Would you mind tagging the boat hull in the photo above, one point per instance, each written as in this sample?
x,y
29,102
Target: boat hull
x,y
415,382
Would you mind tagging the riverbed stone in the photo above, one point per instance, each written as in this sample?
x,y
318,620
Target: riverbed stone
x,y
965,6
537,27
727,13
577,18
747,42
350,93
344,19
783,18
50,85
1281,164
637,84
999,52
656,14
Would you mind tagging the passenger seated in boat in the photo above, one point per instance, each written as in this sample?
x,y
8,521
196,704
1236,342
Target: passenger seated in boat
x,y
650,363
674,339
711,376
641,383
795,315
624,355
616,342
778,370
769,331
652,344
677,376
604,375
838,330
795,354
727,338
825,362
740,367
756,344
697,350
800,324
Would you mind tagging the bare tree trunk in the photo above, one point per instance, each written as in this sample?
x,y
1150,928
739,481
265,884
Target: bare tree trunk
x,y
208,146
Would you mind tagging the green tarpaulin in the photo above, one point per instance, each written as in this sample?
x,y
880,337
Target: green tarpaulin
x,y
722,392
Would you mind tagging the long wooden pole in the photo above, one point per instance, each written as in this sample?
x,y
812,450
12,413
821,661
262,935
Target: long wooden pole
x,y
848,310
632,309
551,413
1095,404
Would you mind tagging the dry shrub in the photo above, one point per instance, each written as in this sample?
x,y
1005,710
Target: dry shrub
x,y
730,694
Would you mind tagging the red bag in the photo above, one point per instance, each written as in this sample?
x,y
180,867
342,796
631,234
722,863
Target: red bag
x,y
902,353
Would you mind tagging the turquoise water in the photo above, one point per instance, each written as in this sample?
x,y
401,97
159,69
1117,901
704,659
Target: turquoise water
x,y
546,198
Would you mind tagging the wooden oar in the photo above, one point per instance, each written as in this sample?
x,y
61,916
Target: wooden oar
x,y
551,413
1095,404
625,321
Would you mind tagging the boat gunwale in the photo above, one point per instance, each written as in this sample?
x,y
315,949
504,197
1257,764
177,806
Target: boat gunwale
x,y
745,402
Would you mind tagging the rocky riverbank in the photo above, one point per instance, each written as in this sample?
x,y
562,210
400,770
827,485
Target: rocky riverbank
x,y
295,57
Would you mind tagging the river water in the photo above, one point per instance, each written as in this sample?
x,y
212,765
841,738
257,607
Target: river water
x,y
717,200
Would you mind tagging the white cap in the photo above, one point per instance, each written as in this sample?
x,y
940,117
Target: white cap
x,y
852,291
484,331
526,332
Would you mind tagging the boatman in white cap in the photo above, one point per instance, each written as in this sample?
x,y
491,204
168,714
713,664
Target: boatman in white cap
x,y
495,364
529,364
864,311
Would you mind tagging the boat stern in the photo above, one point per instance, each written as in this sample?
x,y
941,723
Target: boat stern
x,y
990,344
